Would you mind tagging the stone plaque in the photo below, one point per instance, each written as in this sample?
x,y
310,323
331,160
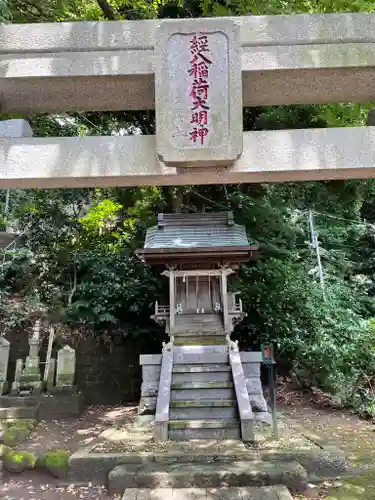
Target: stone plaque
x,y
198,92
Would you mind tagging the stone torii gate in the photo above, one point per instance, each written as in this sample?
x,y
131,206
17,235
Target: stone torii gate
x,y
198,74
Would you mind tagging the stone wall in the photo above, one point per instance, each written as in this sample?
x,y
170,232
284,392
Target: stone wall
x,y
150,382
106,373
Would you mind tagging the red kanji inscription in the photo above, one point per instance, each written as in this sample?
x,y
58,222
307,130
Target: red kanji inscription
x,y
199,91
199,134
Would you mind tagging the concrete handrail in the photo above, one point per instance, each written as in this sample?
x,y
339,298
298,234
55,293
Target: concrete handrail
x,y
242,396
164,397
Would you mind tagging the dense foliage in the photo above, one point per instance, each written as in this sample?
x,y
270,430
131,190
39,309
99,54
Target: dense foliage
x,y
78,263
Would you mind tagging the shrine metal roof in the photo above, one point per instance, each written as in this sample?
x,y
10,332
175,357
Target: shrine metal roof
x,y
184,231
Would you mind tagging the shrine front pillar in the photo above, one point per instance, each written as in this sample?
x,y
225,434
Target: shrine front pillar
x,y
224,299
172,299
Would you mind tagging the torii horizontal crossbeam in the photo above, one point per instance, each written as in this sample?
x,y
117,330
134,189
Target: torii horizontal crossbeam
x,y
298,59
273,156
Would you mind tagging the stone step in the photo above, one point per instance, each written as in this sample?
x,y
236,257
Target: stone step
x,y
200,340
24,412
212,384
204,424
205,412
206,393
204,403
17,401
277,492
201,368
184,430
193,355
203,332
207,475
202,377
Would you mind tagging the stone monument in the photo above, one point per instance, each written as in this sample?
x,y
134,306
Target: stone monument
x,y
4,357
198,91
17,377
30,379
65,373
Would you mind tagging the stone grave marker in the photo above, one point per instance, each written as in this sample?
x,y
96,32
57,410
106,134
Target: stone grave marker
x,y
66,366
4,358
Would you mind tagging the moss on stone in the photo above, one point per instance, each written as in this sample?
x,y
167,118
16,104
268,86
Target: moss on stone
x,y
55,462
4,450
18,431
18,461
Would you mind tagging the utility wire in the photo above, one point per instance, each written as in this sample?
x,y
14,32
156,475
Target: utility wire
x,y
211,201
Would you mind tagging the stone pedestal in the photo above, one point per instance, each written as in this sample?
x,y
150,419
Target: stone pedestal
x,y
31,376
4,358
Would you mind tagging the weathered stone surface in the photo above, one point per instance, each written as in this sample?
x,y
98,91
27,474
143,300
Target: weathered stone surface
x,y
150,373
51,371
66,362
199,113
149,389
188,394
319,464
209,376
205,433
4,358
147,405
251,369
15,128
19,412
262,493
164,397
209,475
258,403
60,405
254,386
17,377
217,412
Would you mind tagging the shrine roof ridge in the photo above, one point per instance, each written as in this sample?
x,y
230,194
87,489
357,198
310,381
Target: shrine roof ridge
x,y
184,231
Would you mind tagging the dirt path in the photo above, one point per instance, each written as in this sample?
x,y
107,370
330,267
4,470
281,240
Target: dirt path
x,y
68,434
355,436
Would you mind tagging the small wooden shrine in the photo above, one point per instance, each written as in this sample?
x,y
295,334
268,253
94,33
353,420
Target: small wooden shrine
x,y
197,253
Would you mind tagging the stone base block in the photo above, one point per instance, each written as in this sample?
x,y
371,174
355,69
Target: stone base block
x,y
3,387
60,406
18,388
64,389
207,475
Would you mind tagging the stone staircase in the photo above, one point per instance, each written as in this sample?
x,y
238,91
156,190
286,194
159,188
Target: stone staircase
x,y
277,492
198,329
203,402
216,474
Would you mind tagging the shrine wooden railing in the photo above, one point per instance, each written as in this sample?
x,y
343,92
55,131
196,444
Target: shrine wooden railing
x,y
235,306
161,310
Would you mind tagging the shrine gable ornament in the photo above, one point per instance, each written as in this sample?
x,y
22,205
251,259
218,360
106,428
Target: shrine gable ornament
x,y
198,93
